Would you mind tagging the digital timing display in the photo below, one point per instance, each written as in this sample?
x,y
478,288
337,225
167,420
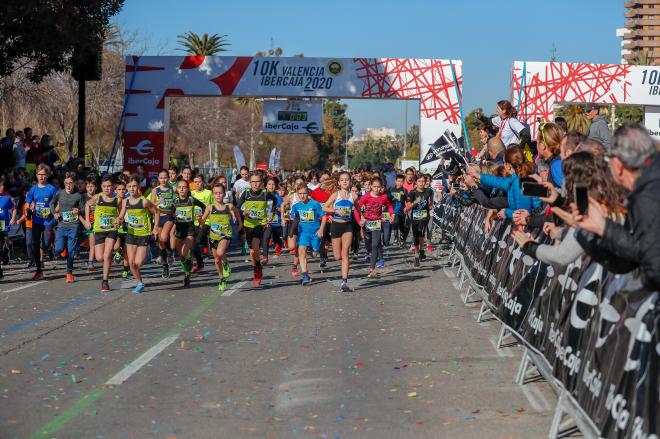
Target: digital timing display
x,y
292,116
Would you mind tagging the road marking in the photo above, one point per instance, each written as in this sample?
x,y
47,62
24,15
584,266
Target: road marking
x,y
140,361
66,415
22,287
233,289
536,399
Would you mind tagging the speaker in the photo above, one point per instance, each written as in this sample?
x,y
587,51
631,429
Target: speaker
x,y
87,63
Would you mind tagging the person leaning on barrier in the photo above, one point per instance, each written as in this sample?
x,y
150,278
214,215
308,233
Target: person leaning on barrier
x,y
635,165
580,168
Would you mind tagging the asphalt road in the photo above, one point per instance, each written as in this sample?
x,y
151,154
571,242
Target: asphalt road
x,y
400,357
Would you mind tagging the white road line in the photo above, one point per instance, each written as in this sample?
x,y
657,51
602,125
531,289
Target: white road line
x,y
22,287
233,289
140,361
536,399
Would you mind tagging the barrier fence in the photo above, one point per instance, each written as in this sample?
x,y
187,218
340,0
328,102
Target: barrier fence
x,y
594,335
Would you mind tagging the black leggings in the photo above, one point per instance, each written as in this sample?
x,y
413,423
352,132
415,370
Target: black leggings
x,y
39,232
274,232
200,239
403,225
355,244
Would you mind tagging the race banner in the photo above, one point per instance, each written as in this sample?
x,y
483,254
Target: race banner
x,y
238,157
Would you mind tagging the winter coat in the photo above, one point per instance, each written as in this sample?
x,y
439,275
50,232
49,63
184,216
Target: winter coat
x,y
514,194
636,244
598,130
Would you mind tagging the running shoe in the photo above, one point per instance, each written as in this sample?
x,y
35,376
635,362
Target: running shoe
x,y
90,266
278,249
258,274
105,286
30,264
186,280
429,248
417,261
345,288
324,263
138,288
69,278
422,255
264,260
412,248
166,272
226,269
306,280
367,258
124,273
159,260
38,275
295,272
222,286
244,249
117,257
380,263
198,268
373,274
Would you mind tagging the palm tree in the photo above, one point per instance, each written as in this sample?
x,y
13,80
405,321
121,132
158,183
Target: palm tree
x,y
642,58
576,119
204,45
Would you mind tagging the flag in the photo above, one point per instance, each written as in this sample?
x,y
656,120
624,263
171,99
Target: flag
x,y
238,156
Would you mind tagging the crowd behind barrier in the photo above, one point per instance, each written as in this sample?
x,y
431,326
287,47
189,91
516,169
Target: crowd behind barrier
x,y
598,332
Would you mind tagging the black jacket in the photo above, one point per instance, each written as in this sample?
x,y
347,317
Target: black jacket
x,y
636,244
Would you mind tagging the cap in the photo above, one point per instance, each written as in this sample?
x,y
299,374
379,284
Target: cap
x,y
590,107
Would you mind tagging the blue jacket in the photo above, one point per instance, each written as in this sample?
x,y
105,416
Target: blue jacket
x,y
514,194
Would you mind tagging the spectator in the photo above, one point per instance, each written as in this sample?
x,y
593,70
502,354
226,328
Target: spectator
x,y
510,129
7,150
515,169
570,144
19,150
561,123
598,130
495,151
50,155
635,165
548,143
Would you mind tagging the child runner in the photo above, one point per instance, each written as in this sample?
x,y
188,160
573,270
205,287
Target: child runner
x,y
163,198
120,243
340,205
201,239
311,227
419,202
357,230
68,204
40,202
87,229
397,196
7,218
252,204
105,226
371,220
274,232
184,214
291,226
135,213
218,217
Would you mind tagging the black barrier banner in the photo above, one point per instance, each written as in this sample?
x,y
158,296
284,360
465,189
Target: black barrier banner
x,y
599,332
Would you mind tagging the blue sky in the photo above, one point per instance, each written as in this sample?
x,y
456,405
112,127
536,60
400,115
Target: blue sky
x,y
487,35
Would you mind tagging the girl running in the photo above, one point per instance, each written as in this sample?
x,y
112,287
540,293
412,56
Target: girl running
x,y
120,243
135,213
274,232
88,230
105,225
371,220
163,198
292,227
419,202
184,214
341,205
218,218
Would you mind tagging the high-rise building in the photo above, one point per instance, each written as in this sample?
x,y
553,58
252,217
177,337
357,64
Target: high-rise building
x,y
641,32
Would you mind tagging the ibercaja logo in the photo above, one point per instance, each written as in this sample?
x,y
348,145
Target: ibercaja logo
x,y
143,148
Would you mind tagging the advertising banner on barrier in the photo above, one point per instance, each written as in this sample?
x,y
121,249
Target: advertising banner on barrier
x,y
652,121
292,116
596,331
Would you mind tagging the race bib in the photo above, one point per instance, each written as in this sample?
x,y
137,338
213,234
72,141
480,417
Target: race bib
x,y
221,229
107,222
135,221
2,224
386,215
372,225
184,215
69,217
306,215
165,204
43,211
396,196
198,210
344,212
255,214
420,214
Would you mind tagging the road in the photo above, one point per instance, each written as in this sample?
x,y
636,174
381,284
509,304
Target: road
x,y
400,357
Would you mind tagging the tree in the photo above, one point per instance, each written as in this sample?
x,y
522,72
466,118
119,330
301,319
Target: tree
x,y
337,128
204,45
375,152
642,58
63,27
575,118
412,148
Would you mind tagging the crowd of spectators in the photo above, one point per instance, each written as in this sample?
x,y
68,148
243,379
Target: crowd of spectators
x,y
614,223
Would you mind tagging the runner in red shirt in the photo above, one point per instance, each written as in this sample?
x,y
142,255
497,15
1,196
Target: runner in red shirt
x,y
372,218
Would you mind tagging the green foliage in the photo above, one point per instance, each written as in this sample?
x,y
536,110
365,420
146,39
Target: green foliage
x,y
337,127
376,152
628,114
40,36
575,118
204,45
